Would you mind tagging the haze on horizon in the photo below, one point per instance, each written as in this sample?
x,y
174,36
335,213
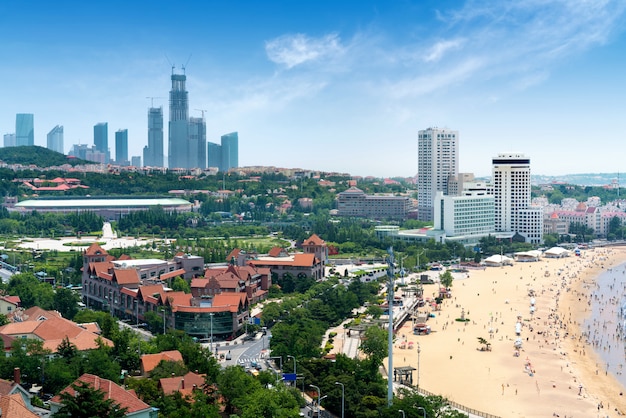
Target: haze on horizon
x,y
333,86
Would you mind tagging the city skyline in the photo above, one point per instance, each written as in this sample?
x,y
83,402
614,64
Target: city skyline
x,y
353,83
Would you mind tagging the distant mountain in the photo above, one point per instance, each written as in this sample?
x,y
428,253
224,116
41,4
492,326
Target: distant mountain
x,y
583,179
39,156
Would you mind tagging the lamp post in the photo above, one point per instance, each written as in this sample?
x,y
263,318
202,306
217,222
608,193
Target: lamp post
x,y
211,341
423,411
402,412
319,397
343,397
419,350
294,363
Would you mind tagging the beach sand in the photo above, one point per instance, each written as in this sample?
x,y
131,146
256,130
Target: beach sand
x,y
556,372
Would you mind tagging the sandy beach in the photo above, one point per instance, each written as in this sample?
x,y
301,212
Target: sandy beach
x,y
556,373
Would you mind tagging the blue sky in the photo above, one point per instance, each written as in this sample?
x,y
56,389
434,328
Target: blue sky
x,y
332,85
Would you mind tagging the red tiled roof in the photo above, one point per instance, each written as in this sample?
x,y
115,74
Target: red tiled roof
x,y
183,384
172,274
124,398
314,240
299,260
275,252
13,406
95,249
126,276
150,361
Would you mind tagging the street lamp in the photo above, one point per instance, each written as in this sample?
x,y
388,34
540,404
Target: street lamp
x,y
211,341
419,350
402,412
343,397
423,411
319,397
294,363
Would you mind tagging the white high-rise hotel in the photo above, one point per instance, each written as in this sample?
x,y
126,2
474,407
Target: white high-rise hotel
x,y
511,188
437,162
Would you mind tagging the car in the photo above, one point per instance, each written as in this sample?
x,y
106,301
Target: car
x,y
249,337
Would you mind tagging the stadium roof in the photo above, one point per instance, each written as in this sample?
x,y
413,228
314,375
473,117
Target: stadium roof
x,y
100,203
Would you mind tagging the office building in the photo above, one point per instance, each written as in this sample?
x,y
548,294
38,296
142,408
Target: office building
x,y
135,161
437,163
24,129
153,153
178,142
511,189
467,217
121,147
214,155
197,142
101,139
230,151
55,139
355,203
9,140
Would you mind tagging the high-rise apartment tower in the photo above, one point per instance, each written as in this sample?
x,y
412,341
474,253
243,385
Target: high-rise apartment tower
x,y
178,142
55,139
153,153
121,147
437,162
24,129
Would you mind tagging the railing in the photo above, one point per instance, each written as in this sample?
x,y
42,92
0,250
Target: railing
x,y
458,406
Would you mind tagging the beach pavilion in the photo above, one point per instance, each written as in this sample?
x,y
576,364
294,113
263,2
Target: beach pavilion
x,y
497,260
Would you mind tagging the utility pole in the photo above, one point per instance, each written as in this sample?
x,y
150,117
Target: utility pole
x,y
390,285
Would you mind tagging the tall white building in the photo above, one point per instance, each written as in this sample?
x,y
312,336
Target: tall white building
x,y
512,192
437,162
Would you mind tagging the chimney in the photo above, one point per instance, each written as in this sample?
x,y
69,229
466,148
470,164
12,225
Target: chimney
x,y
17,376
182,383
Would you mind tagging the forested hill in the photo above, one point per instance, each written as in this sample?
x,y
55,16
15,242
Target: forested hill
x,y
39,156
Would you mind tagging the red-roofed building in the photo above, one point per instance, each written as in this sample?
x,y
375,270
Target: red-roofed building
x,y
13,406
185,385
150,361
135,407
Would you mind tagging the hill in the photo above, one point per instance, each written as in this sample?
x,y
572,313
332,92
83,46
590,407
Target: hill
x,y
39,156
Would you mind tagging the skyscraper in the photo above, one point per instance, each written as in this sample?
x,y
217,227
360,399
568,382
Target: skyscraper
x,y
230,151
9,140
101,139
197,142
178,142
55,139
153,153
511,189
121,147
437,162
24,129
214,155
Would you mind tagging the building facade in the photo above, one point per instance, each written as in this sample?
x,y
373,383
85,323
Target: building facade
x,y
197,141
354,202
230,151
178,141
121,147
153,152
24,129
55,139
9,140
470,216
214,155
511,189
437,162
101,139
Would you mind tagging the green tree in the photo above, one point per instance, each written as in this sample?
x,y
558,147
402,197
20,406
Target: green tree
x,y
374,346
181,285
446,279
66,349
235,385
83,401
66,302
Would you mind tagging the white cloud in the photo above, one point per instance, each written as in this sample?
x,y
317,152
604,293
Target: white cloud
x,y
438,50
293,50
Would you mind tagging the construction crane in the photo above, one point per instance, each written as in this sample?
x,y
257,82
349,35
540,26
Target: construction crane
x,y
152,99
202,111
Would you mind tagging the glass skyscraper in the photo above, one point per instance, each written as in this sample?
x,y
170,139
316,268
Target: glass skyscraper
x,y
121,147
230,151
214,155
197,142
55,139
24,129
178,142
153,153
101,139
